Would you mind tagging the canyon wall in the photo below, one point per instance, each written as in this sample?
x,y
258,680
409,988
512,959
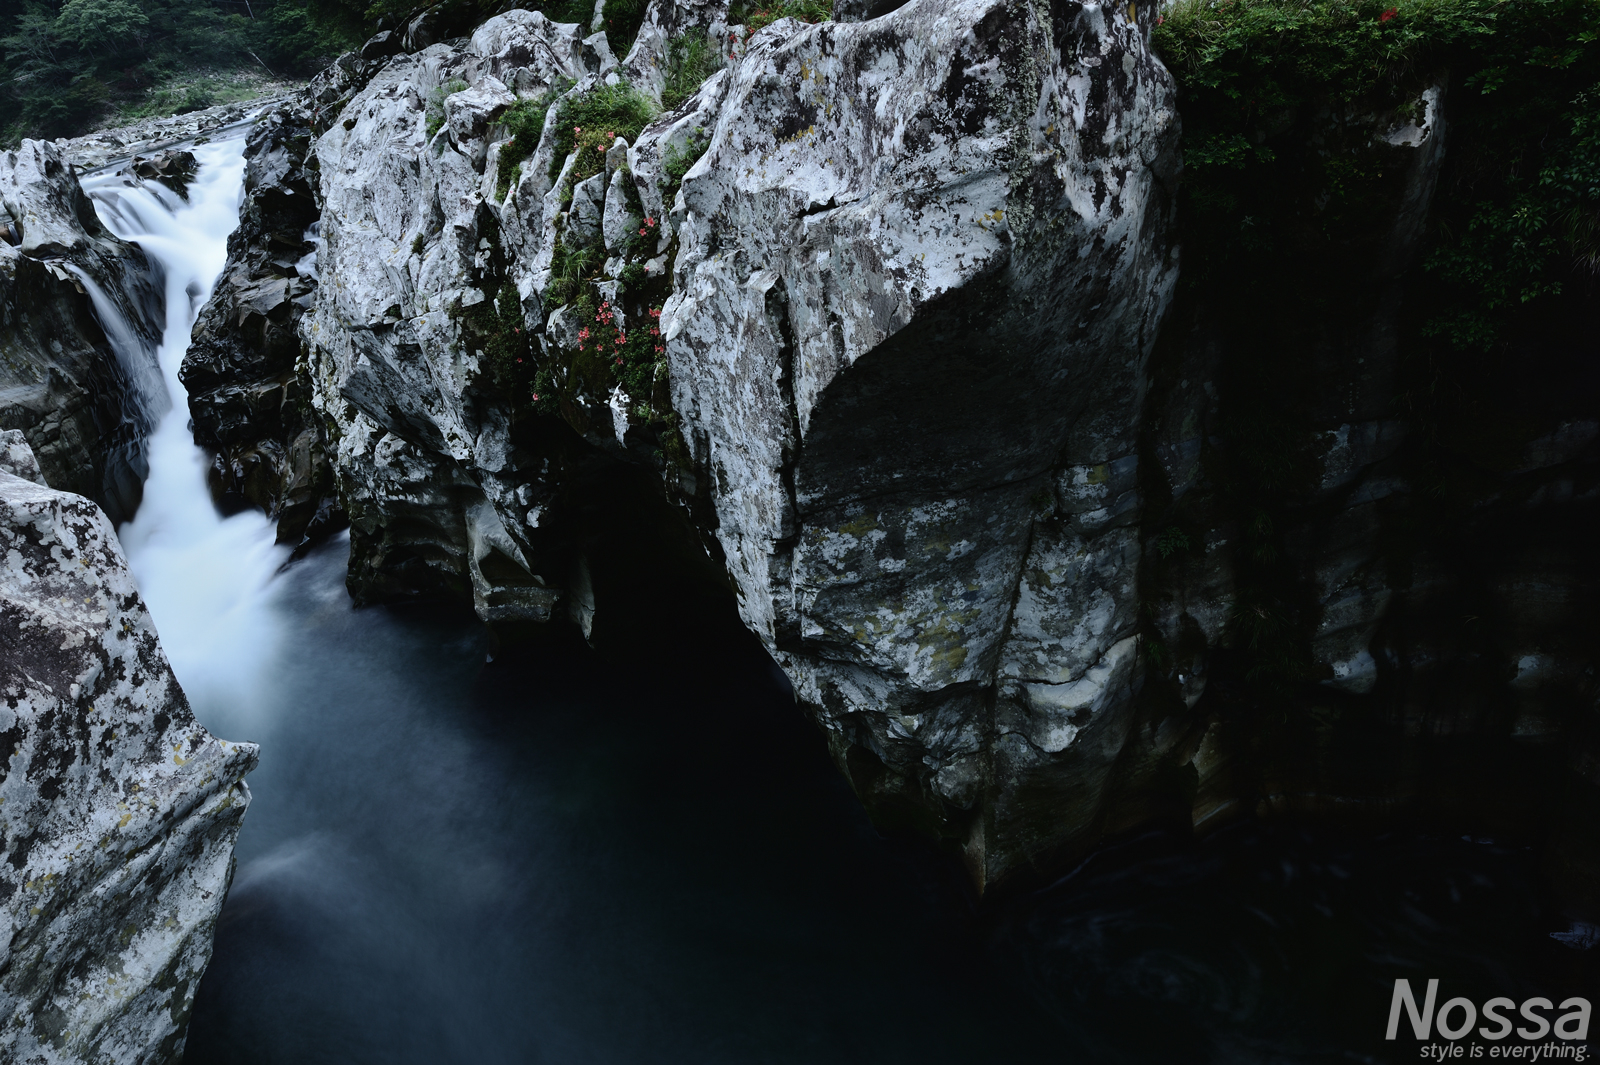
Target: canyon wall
x,y
118,811
86,402
889,310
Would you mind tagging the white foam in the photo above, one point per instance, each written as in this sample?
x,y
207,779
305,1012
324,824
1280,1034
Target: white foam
x,y
207,579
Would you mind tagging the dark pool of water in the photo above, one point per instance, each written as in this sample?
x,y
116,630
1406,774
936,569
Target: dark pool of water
x,y
645,856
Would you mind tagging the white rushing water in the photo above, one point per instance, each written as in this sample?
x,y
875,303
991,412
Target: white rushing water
x,y
206,578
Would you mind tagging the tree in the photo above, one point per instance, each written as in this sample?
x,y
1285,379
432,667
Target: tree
x,y
100,25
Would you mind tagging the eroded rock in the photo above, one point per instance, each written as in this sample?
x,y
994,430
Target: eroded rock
x,y
119,811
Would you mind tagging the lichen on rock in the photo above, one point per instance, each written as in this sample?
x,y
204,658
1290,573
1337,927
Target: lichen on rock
x,y
118,811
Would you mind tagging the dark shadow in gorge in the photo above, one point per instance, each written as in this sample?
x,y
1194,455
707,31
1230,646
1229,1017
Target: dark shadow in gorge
x,y
636,853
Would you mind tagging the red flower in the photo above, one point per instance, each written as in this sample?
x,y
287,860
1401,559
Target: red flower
x,y
536,397
1389,14
619,362
641,232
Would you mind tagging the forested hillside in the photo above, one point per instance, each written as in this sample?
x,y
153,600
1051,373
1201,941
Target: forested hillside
x,y
73,65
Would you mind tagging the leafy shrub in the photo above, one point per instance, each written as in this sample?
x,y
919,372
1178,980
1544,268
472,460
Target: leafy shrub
x,y
621,20
591,123
525,122
756,16
435,105
691,59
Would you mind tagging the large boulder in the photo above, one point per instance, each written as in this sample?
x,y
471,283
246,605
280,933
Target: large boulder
x,y
923,263
249,395
118,811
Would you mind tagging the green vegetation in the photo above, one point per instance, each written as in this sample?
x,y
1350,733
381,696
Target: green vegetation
x,y
71,65
679,162
756,16
1525,79
691,59
435,106
591,123
1288,209
622,19
524,121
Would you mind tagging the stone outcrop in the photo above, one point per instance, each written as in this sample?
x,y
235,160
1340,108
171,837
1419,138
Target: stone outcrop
x,y
118,812
86,402
251,407
887,308
869,388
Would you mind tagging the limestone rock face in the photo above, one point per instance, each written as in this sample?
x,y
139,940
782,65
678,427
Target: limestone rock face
x,y
923,262
119,812
84,401
901,307
886,307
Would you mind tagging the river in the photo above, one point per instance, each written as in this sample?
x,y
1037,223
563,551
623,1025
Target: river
x,y
644,854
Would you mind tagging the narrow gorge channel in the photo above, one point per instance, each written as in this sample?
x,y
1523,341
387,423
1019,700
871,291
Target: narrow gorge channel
x,y
644,854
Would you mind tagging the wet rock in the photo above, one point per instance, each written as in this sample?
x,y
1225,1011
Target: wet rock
x,y
85,402
119,811
174,168
248,398
382,45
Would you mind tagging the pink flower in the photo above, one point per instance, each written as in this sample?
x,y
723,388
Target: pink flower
x,y
649,221
583,334
641,232
536,397
619,362
655,331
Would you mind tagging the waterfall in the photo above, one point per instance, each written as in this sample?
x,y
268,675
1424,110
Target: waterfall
x,y
204,577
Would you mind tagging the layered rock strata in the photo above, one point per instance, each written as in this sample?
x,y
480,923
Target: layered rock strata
x,y
118,811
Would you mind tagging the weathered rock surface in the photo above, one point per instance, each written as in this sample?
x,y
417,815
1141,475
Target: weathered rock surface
x,y
912,377
250,404
85,402
118,811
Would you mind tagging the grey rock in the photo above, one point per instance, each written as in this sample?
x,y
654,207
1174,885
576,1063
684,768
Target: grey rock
x,y
584,214
119,811
383,45
84,400
620,222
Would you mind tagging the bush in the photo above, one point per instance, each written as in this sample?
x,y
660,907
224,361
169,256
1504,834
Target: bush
x,y
589,124
435,106
1522,204
756,16
524,120
691,59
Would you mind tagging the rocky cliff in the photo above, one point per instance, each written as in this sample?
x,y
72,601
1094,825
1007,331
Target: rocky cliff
x,y
890,309
85,401
118,812
250,407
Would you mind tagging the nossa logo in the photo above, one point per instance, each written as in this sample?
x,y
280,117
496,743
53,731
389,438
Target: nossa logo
x,y
1456,1017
